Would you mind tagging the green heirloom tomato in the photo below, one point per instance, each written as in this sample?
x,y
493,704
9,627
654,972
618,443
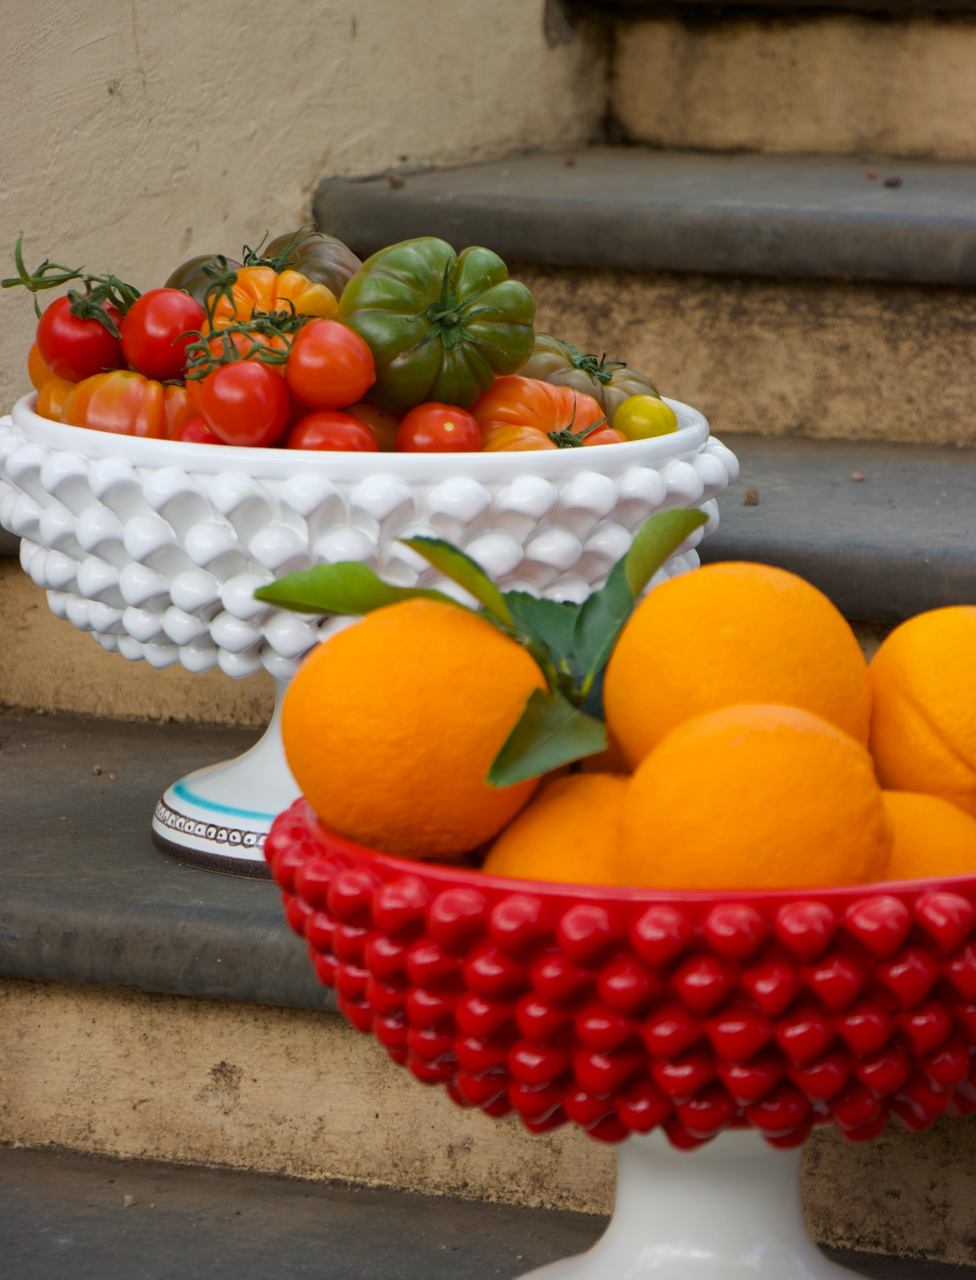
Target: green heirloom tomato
x,y
190,276
441,326
320,258
609,382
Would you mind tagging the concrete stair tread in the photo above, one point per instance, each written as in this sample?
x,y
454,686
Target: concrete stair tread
x,y
748,214
893,544
65,1214
92,899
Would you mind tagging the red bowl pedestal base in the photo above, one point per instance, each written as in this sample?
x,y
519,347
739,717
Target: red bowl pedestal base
x,y
724,1211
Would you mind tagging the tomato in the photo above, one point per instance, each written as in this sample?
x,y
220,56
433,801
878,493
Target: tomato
x,y
74,348
329,429
641,417
610,383
439,428
52,398
177,407
152,340
245,403
329,366
195,431
323,259
382,424
515,401
37,370
605,435
516,440
121,402
262,289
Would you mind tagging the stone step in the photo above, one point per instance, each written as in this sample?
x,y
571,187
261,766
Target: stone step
x,y
162,1013
100,1219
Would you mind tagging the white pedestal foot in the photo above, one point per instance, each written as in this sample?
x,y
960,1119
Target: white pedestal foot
x,y
727,1211
218,817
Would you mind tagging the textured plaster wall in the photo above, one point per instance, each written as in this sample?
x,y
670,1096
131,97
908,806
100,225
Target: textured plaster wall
x,y
300,1093
822,359
137,134
833,83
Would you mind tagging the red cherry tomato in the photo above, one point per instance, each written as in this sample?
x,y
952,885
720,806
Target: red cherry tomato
x,y
329,429
77,349
245,403
438,428
329,366
151,332
195,431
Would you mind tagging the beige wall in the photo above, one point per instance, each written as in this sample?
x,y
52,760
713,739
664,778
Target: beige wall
x,y
137,134
837,83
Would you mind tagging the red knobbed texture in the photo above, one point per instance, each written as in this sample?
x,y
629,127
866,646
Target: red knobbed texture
x,y
456,916
518,921
806,928
773,984
881,923
735,930
946,917
586,930
627,986
910,976
621,1013
835,980
702,982
661,934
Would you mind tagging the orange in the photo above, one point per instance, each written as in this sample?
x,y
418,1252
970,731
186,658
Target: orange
x,y
931,837
754,797
727,634
567,832
923,724
391,726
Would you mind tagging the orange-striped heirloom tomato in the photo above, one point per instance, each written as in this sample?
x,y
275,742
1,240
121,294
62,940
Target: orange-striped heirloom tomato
x,y
262,289
532,406
245,403
195,431
329,366
37,370
177,407
330,429
438,428
52,398
121,402
383,425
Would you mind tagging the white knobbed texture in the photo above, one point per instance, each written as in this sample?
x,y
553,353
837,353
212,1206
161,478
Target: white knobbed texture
x,y
157,547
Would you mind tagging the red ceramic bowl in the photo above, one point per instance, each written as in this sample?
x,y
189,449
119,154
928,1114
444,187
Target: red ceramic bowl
x,y
625,1009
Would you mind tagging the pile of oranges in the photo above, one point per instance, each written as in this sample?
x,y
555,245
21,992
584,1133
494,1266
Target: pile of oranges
x,y
751,746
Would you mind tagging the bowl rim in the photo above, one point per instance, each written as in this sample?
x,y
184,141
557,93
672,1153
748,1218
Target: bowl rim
x,y
281,464
452,876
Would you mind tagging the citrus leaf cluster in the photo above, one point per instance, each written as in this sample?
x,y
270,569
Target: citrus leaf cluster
x,y
571,643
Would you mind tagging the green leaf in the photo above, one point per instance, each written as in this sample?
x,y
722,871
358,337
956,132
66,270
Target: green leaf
x,y
550,732
604,613
453,563
546,621
656,540
347,587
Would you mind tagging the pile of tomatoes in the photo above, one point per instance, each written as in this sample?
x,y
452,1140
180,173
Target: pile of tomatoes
x,y
265,353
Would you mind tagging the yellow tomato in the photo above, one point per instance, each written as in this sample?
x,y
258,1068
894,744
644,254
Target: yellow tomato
x,y
641,417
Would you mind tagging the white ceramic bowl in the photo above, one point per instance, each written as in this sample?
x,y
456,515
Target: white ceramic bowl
x,y
156,546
